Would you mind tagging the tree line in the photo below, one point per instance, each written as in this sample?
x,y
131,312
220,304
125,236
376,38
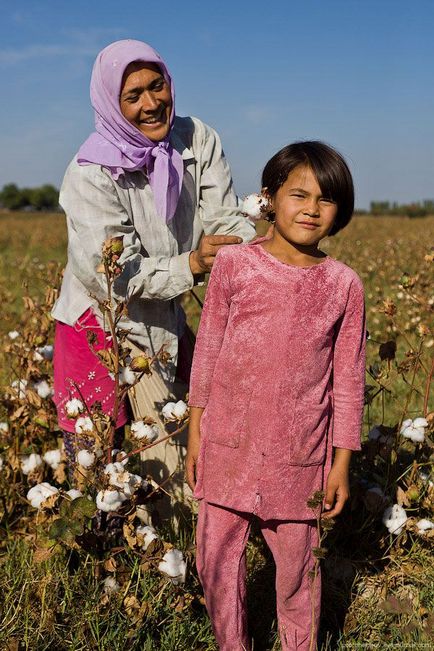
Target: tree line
x,y
44,197
415,209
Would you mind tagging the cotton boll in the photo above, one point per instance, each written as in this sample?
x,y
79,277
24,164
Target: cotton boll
x,y
73,408
1,463
424,525
394,518
167,411
85,458
53,458
121,478
108,500
73,493
111,586
420,422
180,409
83,424
13,334
406,424
30,463
4,428
149,534
141,430
254,206
43,389
415,434
39,493
174,566
127,376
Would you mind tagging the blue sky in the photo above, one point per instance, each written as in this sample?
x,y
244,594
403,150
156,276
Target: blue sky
x,y
357,74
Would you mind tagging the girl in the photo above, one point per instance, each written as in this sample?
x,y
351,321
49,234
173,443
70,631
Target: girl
x,y
276,394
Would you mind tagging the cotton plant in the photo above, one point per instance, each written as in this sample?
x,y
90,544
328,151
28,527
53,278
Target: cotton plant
x,y
110,500
4,428
118,477
19,388
424,525
111,586
13,334
83,425
144,431
53,458
30,463
73,493
174,566
174,410
38,494
45,352
85,458
148,533
74,408
394,518
127,376
414,429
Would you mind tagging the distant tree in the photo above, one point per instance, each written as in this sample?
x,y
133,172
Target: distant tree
x,y
13,198
44,198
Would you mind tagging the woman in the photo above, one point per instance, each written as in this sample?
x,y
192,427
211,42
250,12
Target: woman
x,y
162,183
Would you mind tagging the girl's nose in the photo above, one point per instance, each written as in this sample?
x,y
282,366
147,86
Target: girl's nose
x,y
312,208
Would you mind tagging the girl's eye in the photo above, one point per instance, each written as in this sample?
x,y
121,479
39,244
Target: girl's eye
x,y
299,196
324,200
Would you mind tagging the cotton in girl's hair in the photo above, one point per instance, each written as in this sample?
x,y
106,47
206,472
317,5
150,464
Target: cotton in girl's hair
x,y
254,206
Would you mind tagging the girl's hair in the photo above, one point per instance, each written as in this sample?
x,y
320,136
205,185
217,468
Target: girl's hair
x,y
331,171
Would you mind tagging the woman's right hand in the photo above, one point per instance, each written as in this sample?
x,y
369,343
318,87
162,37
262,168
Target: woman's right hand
x,y
202,259
193,446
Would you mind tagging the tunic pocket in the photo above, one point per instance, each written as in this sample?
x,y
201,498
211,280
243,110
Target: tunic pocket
x,y
308,442
224,417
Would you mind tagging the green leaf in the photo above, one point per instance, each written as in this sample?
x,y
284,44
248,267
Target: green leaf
x,y
81,507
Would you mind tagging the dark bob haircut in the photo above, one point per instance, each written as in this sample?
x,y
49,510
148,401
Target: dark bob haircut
x,y
331,171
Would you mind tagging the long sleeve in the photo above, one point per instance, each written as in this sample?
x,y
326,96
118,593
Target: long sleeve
x,y
349,371
218,203
211,332
94,213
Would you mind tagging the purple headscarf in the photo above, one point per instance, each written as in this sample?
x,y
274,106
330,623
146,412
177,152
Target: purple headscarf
x,y
119,145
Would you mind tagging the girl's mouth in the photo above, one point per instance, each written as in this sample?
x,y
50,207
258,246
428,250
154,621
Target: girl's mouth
x,y
308,225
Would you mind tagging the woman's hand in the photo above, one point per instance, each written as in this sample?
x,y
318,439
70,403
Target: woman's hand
x,y
202,259
338,485
193,446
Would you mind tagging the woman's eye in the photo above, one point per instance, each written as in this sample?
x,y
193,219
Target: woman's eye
x,y
132,98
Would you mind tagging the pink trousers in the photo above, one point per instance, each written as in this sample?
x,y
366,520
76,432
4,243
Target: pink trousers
x,y
221,562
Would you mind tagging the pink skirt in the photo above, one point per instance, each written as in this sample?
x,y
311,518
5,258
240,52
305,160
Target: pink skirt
x,y
76,366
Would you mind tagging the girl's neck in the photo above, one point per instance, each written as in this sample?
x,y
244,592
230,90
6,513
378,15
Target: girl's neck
x,y
293,254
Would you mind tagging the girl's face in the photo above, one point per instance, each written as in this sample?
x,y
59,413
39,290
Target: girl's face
x,y
303,215
146,100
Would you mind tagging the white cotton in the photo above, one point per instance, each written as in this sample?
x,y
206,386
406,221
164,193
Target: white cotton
x,y
13,334
111,586
85,458
174,566
180,409
19,387
394,518
53,458
127,376
73,493
374,434
420,422
254,206
83,424
46,352
39,493
108,500
141,430
167,410
415,433
4,428
37,357
74,407
30,463
149,534
143,514
121,478
123,458
424,525
1,463
43,389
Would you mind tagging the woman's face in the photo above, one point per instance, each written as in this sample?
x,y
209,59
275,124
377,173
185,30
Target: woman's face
x,y
146,100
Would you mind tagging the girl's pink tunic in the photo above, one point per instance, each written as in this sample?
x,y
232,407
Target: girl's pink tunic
x,y
279,367
76,364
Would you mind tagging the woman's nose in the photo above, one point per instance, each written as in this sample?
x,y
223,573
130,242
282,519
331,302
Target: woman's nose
x,y
149,102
